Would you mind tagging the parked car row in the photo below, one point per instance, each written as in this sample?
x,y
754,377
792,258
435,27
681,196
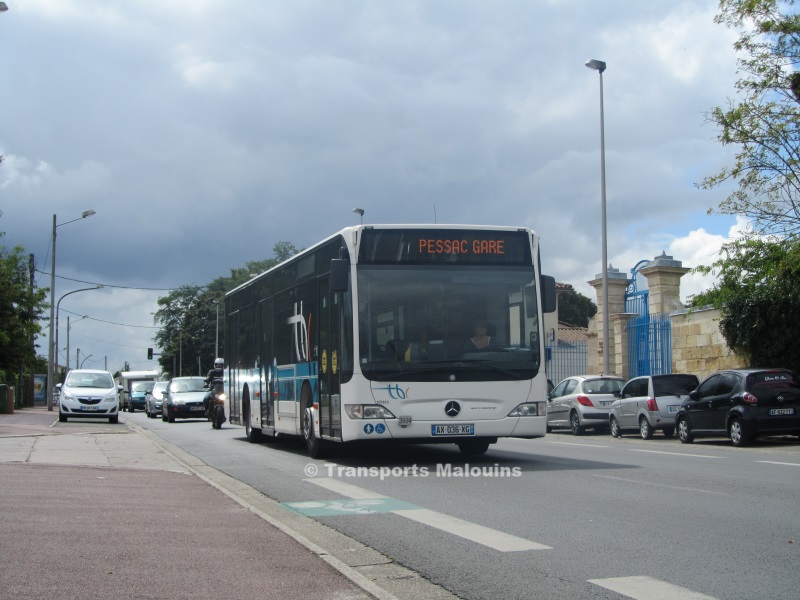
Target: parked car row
x,y
741,404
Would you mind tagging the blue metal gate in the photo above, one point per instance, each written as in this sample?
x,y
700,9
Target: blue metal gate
x,y
649,336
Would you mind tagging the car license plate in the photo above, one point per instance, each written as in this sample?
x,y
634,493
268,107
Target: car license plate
x,y
466,429
781,411
197,408
673,409
89,408
606,402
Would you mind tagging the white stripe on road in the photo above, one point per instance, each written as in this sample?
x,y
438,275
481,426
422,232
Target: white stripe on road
x,y
647,588
492,538
576,444
659,485
772,462
676,453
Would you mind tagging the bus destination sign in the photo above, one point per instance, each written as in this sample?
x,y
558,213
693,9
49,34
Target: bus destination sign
x,y
462,246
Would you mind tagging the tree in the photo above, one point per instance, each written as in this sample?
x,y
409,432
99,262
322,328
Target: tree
x,y
188,316
21,307
765,122
758,294
575,308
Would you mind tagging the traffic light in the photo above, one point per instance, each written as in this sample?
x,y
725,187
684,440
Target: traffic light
x,y
149,354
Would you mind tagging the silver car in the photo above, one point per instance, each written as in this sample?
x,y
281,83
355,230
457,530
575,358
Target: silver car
x,y
650,403
152,402
582,402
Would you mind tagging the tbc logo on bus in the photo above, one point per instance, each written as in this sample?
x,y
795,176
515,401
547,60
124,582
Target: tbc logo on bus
x,y
299,333
395,391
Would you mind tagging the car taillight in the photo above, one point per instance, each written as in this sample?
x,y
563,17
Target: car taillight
x,y
651,404
584,401
749,398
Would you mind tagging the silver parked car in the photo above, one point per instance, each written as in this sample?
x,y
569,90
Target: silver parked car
x,y
582,402
650,403
154,397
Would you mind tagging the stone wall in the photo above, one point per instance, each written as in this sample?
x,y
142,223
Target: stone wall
x,y
697,343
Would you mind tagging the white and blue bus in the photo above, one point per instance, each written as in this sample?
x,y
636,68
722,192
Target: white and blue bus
x,y
370,336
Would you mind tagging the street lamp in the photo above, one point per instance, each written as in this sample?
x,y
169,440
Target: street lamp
x,y
52,342
600,66
97,287
68,326
84,360
216,341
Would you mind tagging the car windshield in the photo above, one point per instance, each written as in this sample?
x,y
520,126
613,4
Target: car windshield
x,y
187,385
602,386
89,380
140,386
674,385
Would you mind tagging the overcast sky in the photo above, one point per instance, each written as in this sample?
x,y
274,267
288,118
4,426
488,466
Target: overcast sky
x,y
203,132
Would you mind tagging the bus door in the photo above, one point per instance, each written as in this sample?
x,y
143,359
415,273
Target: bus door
x,y
233,370
265,364
329,357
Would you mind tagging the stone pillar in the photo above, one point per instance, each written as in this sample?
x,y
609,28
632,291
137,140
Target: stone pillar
x,y
663,275
617,284
619,330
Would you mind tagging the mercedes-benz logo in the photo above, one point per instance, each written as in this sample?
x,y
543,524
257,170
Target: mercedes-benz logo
x,y
452,408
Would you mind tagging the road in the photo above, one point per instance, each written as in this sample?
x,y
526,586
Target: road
x,y
562,517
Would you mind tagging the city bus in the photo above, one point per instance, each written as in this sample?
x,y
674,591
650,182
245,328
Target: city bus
x,y
379,333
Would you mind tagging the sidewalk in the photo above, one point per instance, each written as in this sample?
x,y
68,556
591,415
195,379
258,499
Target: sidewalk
x,y
94,510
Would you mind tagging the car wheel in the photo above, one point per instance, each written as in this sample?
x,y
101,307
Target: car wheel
x,y
62,418
575,424
645,429
684,433
615,429
163,415
738,433
114,419
669,432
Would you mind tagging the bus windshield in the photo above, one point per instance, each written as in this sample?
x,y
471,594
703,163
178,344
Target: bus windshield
x,y
448,323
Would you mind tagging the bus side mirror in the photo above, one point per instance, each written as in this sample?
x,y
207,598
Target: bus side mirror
x,y
548,287
340,275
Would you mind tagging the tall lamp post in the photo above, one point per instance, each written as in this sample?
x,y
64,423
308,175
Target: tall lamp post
x,y
51,368
97,287
600,66
216,341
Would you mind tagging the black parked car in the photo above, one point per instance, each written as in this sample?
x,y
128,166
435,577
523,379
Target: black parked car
x,y
742,404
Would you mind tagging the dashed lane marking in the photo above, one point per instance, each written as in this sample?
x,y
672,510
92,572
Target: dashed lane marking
x,y
485,536
647,588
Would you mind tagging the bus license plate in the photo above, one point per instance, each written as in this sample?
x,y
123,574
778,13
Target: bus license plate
x,y
465,429
781,411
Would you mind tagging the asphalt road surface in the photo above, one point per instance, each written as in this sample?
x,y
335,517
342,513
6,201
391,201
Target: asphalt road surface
x,y
562,517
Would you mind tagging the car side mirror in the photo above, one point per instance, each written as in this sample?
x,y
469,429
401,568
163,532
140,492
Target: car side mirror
x,y
693,395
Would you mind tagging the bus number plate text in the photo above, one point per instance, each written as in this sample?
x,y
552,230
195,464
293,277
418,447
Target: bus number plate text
x,y
465,429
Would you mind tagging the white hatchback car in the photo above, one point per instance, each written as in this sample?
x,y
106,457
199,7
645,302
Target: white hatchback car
x,y
582,402
88,393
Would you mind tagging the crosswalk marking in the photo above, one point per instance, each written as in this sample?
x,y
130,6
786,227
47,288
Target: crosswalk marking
x,y
647,588
502,542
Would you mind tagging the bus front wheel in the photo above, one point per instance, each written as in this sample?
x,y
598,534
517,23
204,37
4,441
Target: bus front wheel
x,y
473,447
313,443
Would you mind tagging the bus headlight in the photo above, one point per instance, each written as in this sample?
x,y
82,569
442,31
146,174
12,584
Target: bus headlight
x,y
529,409
368,411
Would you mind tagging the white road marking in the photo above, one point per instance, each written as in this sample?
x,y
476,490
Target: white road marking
x,y
659,485
576,444
682,454
485,536
647,588
773,462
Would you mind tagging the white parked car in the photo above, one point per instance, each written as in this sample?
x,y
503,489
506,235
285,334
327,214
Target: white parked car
x,y
89,393
582,402
649,403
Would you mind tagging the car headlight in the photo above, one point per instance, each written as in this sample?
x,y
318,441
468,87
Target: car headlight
x,y
368,411
69,397
111,398
529,409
